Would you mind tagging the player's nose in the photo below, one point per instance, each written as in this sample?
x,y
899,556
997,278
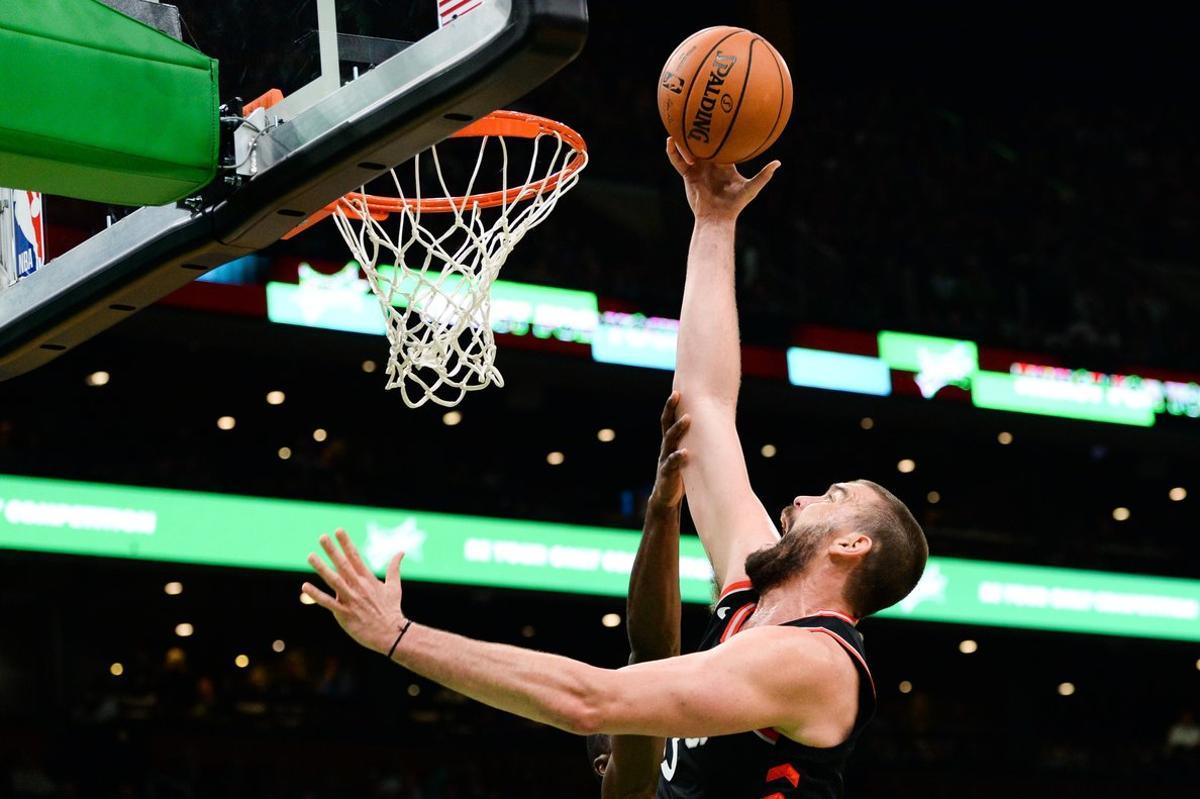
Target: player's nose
x,y
801,501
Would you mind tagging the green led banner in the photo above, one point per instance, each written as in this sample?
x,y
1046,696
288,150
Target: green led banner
x,y
182,526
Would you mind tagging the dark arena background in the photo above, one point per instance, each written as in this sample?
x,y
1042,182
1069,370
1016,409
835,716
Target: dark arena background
x,y
984,231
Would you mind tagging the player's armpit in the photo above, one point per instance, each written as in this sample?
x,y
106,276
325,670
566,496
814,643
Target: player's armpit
x,y
786,678
730,519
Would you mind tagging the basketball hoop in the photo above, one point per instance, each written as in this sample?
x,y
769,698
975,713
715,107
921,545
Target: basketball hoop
x,y
436,297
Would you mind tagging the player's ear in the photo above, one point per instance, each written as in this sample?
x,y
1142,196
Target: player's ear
x,y
600,764
853,545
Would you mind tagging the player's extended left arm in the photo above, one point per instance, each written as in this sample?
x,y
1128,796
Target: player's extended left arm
x,y
768,677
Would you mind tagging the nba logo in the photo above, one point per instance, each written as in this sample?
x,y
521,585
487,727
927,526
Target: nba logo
x,y
29,235
22,235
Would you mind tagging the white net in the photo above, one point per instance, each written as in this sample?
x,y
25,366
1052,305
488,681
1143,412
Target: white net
x,y
435,293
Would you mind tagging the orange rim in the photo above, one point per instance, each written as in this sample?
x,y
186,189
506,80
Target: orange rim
x,y
512,124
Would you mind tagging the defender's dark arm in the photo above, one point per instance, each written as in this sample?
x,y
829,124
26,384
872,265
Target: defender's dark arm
x,y
653,607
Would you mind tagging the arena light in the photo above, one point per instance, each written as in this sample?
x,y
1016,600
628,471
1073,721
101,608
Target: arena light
x,y
611,620
116,669
1121,514
284,453
414,690
241,661
1177,494
906,466
768,450
968,647
173,588
184,630
1004,438
866,423
906,687
369,366
276,397
605,435
278,645
555,458
97,379
451,418
226,423
836,371
1066,689
150,524
305,599
528,631
933,497
320,434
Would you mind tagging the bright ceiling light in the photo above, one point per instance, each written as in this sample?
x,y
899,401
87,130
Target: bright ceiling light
x,y
275,397
906,466
97,379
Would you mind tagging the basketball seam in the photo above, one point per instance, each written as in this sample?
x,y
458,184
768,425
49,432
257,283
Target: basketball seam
x,y
688,97
741,99
779,113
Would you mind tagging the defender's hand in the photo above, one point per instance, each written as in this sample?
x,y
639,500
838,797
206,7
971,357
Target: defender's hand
x,y
716,191
668,484
366,608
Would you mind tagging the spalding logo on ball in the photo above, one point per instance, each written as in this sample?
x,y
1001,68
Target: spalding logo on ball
x,y
725,95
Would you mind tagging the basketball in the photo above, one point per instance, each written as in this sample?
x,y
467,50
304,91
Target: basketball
x,y
725,95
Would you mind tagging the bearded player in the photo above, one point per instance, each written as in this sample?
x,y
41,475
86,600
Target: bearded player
x,y
777,696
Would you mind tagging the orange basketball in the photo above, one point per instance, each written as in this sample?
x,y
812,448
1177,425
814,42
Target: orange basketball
x,y
725,94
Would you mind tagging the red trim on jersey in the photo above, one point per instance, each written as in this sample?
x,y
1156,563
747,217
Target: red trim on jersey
x,y
853,652
736,620
768,735
837,615
776,795
740,585
785,772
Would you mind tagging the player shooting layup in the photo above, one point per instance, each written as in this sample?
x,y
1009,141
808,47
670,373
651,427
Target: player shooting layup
x,y
773,702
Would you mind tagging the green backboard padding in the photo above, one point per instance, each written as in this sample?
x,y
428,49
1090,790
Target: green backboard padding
x,y
98,106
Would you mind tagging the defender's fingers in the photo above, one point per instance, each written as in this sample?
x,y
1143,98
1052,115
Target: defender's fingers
x,y
677,431
668,411
320,597
331,578
352,554
675,461
393,569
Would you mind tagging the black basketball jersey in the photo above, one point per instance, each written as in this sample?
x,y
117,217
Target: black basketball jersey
x,y
764,764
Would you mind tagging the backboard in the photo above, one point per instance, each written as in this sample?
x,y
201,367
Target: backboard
x,y
367,84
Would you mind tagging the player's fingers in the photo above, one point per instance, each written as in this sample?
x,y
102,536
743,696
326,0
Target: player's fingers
x,y
336,557
331,578
677,157
352,554
320,597
756,183
393,569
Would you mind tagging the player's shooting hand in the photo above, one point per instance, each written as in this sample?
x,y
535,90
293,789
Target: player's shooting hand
x,y
668,484
367,608
716,191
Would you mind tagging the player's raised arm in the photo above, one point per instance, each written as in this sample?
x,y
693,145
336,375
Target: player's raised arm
x,y
652,609
729,517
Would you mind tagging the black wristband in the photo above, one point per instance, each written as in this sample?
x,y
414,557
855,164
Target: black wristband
x,y
403,630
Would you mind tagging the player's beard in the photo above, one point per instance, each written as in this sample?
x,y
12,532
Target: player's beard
x,y
771,566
